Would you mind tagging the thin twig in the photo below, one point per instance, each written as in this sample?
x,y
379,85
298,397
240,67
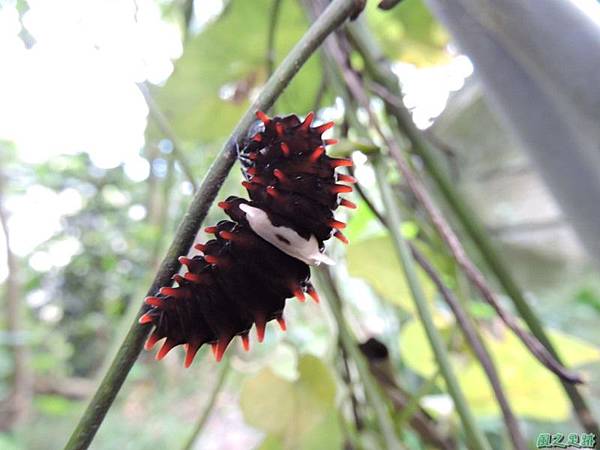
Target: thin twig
x,y
273,21
447,234
347,378
216,389
165,128
475,436
469,331
374,395
380,70
479,348
127,354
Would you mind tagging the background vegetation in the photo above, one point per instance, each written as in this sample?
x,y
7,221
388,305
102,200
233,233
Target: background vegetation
x,y
72,291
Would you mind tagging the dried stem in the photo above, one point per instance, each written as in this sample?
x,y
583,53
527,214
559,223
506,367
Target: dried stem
x,y
359,92
476,438
469,331
374,394
380,70
479,348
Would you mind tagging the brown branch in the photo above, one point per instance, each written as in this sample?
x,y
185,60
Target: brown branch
x,y
469,331
378,67
478,347
355,85
378,357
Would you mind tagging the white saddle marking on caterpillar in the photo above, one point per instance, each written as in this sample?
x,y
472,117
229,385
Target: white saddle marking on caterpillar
x,y
296,246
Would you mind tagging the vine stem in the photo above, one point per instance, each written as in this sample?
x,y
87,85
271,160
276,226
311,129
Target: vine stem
x,y
379,69
212,399
475,340
348,341
165,127
476,438
357,89
89,423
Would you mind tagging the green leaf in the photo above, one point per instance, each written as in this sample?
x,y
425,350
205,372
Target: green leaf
x,y
531,388
375,260
410,33
289,410
229,57
54,405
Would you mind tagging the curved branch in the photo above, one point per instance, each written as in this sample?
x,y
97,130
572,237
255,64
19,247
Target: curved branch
x,y
92,418
379,69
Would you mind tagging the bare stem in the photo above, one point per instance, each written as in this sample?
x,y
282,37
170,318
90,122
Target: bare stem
x,y
356,87
479,348
476,438
333,17
469,331
273,21
380,70
165,128
374,394
223,371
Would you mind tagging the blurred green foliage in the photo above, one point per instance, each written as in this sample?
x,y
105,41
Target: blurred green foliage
x,y
287,401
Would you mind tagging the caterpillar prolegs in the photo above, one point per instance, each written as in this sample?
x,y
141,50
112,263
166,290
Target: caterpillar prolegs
x,y
260,257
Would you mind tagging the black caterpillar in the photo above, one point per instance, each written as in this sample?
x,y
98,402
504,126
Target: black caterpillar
x,y
260,257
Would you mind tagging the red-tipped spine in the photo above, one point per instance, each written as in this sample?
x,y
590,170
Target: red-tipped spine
x,y
347,203
340,189
313,293
222,344
227,235
299,294
340,162
272,191
280,175
245,342
193,277
346,178
307,121
323,128
211,259
316,154
151,342
261,325
279,129
336,224
173,292
146,318
166,348
263,117
190,352
156,302
282,324
341,237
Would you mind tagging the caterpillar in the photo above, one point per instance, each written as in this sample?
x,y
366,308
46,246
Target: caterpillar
x,y
261,256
